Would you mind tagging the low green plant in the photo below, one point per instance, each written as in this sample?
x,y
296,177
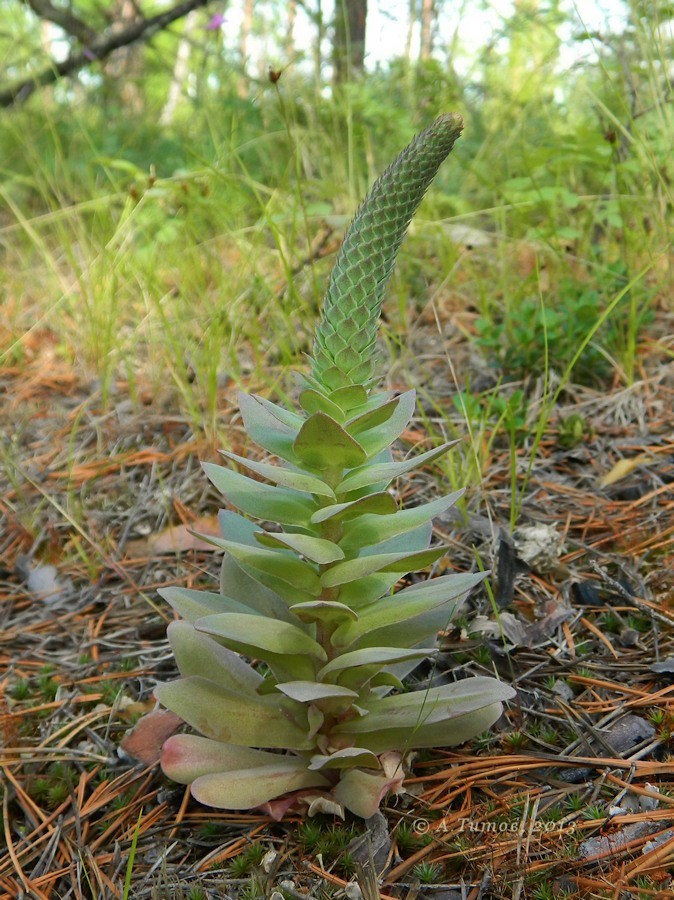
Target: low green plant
x,y
428,873
323,727
245,862
534,333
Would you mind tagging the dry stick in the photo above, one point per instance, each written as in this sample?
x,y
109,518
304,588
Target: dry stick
x,y
97,50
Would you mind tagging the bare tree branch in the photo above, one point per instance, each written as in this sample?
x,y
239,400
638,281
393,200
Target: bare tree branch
x,y
64,18
96,50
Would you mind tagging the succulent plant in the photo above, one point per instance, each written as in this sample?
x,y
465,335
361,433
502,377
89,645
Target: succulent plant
x,y
324,719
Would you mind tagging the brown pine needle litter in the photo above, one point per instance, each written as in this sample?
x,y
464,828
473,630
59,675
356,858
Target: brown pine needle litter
x,y
575,787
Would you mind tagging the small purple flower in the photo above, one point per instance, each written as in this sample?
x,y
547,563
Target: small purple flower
x,y
215,23
89,54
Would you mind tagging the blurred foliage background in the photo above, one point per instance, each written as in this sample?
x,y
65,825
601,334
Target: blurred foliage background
x,y
176,178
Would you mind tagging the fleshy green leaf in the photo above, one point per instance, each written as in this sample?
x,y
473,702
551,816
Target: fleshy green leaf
x,y
187,756
385,472
379,414
375,439
198,654
238,584
322,443
360,593
298,481
234,527
379,656
248,788
407,604
194,604
264,501
448,733
350,397
323,611
277,563
410,712
362,792
372,529
312,691
317,550
312,402
351,569
345,759
255,635
267,430
376,504
270,721
285,416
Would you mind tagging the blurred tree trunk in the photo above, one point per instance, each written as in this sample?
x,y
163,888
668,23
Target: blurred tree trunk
x,y
246,31
318,45
349,41
125,68
181,71
411,22
427,27
289,41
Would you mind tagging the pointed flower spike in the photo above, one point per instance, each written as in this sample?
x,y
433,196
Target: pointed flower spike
x,y
344,346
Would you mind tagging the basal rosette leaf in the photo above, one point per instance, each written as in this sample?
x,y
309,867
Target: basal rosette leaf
x,y
247,789
361,792
187,756
445,716
237,718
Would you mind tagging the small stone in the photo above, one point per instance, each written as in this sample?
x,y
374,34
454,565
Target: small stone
x,y
614,843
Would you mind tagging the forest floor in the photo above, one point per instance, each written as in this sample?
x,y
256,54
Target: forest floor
x,y
571,794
